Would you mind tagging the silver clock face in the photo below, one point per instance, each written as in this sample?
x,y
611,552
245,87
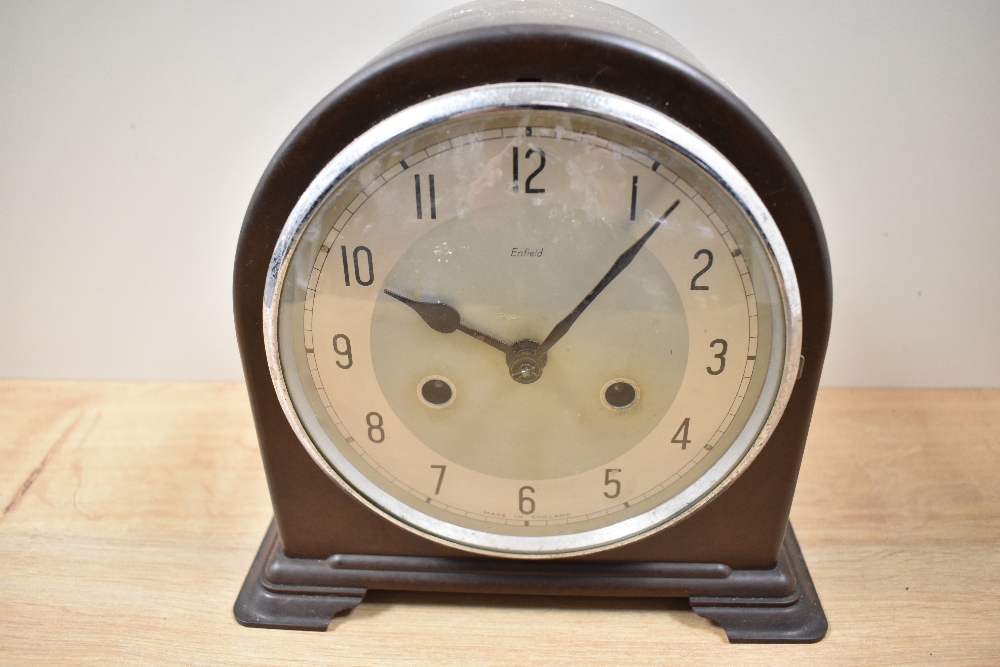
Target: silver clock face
x,y
532,319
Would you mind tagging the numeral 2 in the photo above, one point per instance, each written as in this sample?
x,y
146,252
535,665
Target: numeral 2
x,y
694,281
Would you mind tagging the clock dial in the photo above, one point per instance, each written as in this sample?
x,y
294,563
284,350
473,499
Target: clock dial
x,y
531,330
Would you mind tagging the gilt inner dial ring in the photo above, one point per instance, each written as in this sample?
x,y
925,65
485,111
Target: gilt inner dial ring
x,y
531,329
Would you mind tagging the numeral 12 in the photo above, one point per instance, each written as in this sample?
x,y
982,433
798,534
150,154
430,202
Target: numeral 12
x,y
527,182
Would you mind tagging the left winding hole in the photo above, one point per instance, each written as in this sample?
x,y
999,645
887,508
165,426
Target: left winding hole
x,y
436,391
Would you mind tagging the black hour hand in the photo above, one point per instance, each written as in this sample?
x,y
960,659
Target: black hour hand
x,y
444,319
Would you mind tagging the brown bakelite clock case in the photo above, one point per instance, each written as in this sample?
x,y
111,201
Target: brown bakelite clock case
x,y
533,303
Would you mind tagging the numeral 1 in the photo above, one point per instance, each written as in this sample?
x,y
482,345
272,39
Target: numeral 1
x,y
635,191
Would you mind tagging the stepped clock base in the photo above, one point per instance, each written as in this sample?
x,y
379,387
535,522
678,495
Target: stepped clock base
x,y
779,605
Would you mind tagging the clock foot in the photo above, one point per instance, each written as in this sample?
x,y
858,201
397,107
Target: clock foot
x,y
753,606
795,619
262,603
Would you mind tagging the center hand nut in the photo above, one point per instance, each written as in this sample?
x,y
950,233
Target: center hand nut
x,y
524,362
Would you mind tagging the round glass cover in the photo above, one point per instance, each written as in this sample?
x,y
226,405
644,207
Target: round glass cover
x,y
532,319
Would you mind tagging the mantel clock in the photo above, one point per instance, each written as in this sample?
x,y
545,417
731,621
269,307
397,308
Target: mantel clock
x,y
533,303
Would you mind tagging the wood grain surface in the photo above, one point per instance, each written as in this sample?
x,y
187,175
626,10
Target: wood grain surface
x,y
131,513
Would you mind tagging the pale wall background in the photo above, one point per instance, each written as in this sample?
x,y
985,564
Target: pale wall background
x,y
132,135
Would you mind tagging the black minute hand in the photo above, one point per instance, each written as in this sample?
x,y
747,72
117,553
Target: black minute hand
x,y
444,319
620,264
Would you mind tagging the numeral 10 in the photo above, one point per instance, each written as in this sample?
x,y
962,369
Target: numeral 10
x,y
360,250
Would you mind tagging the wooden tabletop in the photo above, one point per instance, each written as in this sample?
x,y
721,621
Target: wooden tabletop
x,y
132,511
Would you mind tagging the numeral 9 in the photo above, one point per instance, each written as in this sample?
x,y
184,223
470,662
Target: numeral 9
x,y
346,352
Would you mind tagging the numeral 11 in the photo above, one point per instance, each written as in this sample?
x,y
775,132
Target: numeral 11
x,y
430,186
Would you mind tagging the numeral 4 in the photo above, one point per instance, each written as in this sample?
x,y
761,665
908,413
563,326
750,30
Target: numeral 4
x,y
681,437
